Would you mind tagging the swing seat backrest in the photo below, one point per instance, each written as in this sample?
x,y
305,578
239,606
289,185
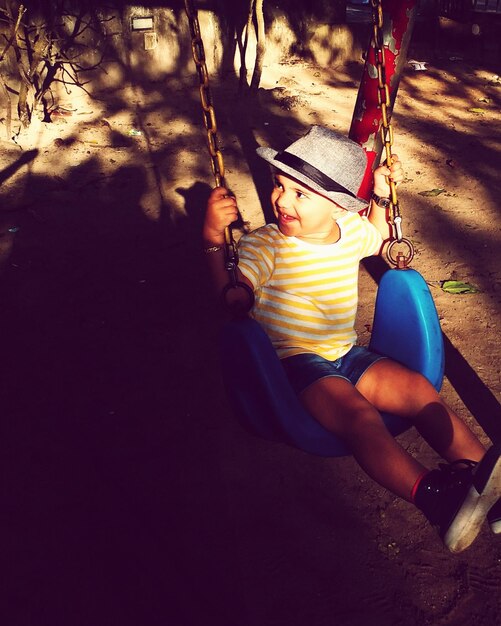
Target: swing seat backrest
x,y
406,328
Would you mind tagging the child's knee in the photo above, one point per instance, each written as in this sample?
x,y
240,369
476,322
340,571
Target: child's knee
x,y
421,388
364,420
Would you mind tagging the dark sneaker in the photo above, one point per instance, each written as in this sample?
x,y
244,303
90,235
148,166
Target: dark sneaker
x,y
456,498
494,518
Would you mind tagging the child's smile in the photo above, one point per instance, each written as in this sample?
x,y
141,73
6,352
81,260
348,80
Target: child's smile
x,y
283,217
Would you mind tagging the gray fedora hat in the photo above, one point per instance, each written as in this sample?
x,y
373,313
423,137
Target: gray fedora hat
x,y
325,161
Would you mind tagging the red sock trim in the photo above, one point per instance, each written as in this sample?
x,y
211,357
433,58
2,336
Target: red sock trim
x,y
416,484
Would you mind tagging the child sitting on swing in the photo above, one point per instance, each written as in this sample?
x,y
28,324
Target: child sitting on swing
x,y
303,272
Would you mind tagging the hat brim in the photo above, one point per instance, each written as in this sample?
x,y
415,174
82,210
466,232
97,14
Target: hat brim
x,y
349,203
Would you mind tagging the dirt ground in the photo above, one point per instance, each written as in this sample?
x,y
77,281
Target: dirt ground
x,y
131,495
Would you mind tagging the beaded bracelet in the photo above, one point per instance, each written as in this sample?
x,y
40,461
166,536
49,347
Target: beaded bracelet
x,y
212,249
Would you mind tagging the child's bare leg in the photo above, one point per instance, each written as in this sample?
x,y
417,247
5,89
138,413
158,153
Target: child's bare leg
x,y
455,501
340,408
393,388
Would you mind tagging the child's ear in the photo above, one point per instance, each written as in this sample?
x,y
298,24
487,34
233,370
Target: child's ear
x,y
337,211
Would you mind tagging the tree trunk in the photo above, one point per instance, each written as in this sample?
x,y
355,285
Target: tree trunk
x,y
261,45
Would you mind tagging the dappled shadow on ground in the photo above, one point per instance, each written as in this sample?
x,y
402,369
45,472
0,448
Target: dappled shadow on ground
x,y
114,504
118,498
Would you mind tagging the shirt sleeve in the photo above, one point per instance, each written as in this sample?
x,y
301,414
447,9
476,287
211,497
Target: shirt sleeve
x,y
370,240
256,256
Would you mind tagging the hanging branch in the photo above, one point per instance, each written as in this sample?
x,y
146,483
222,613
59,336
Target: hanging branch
x,y
29,78
48,47
5,88
20,12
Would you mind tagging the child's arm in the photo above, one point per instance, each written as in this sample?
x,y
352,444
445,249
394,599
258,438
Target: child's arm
x,y
221,212
378,215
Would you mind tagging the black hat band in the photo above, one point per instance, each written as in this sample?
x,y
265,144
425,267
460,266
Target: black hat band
x,y
311,172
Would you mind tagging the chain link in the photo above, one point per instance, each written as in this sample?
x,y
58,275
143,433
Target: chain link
x,y
209,117
209,114
385,104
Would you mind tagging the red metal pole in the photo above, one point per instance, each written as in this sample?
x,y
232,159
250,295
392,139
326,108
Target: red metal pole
x,y
398,22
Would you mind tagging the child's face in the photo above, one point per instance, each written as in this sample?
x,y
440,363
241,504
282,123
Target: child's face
x,y
303,213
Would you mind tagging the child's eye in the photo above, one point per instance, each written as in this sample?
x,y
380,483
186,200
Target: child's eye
x,y
278,184
300,194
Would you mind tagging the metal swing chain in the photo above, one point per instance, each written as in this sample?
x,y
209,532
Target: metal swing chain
x,y
395,218
209,117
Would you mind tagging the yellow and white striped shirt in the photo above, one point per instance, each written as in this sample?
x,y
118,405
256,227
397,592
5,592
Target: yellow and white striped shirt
x,y
307,294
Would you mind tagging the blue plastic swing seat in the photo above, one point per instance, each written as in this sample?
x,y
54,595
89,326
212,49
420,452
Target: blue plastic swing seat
x,y
406,328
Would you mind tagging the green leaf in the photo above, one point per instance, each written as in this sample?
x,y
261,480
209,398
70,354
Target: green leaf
x,y
432,192
458,286
476,110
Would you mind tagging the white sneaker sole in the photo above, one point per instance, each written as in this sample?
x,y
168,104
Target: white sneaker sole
x,y
470,517
496,527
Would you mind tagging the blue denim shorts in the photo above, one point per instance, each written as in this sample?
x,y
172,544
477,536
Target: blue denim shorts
x,y
304,369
